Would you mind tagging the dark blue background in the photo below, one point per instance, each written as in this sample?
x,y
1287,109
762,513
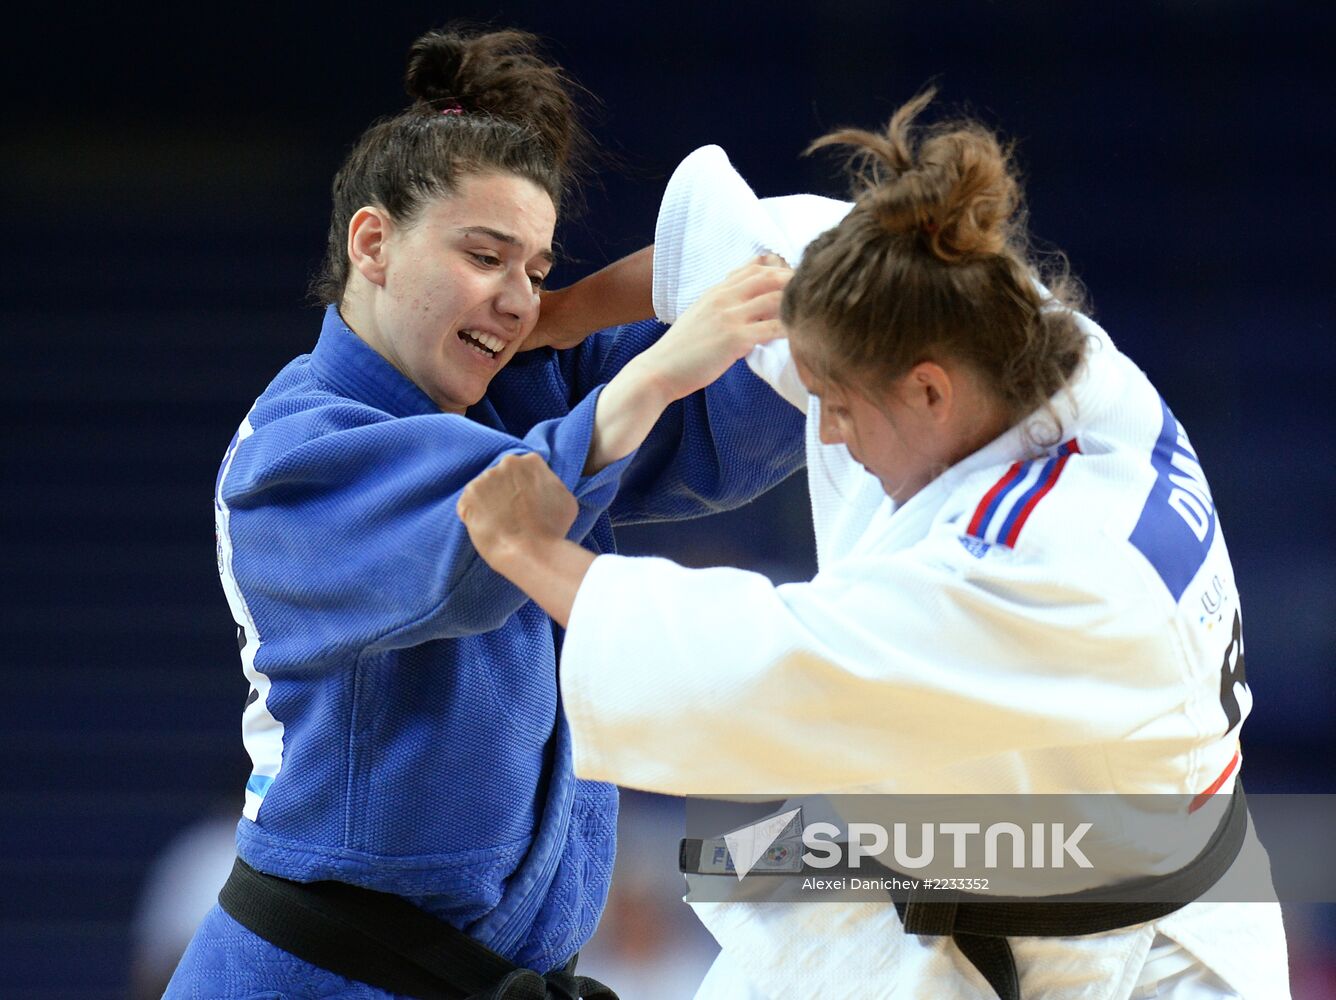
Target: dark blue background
x,y
165,179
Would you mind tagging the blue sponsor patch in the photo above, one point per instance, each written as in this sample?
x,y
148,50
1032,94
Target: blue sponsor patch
x,y
1177,524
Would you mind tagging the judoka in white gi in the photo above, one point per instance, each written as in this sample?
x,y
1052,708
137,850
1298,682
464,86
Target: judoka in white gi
x,y
1032,603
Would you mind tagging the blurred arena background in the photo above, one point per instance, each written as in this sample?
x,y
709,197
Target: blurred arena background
x,y
165,176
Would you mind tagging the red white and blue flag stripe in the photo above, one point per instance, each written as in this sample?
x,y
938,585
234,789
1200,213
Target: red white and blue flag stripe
x,y
1008,504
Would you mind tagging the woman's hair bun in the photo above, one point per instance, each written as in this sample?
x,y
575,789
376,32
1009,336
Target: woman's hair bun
x,y
435,66
952,184
500,73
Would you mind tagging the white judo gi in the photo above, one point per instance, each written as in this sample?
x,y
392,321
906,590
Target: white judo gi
x,y
1054,622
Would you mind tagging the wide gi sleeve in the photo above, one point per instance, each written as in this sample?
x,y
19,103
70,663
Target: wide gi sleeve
x,y
344,529
714,450
711,222
717,682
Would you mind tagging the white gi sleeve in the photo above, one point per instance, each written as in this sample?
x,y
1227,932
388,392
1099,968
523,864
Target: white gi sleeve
x,y
717,682
710,223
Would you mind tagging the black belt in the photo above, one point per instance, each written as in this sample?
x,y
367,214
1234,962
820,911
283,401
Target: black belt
x,y
385,941
980,925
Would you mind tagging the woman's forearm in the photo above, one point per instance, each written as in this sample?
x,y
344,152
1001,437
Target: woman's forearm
x,y
626,412
619,293
549,570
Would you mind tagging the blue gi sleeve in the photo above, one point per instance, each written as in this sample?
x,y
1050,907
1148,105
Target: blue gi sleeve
x,y
714,450
343,522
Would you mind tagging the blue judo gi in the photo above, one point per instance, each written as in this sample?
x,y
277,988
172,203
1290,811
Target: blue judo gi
x,y
403,719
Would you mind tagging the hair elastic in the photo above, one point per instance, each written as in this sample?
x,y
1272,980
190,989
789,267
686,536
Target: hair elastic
x,y
452,109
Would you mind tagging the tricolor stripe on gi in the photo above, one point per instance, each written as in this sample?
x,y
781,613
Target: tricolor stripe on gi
x,y
1006,507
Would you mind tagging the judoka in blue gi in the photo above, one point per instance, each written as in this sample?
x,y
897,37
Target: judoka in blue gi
x,y
410,755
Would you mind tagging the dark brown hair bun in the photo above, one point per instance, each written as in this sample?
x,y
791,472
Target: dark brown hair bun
x,y
498,73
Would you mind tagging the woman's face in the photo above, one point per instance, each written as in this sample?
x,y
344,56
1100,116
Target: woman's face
x,y
461,285
894,437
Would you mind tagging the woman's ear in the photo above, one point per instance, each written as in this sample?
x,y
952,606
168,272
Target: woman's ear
x,y
932,392
368,233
